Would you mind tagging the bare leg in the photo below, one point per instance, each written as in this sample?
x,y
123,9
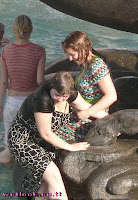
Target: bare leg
x,y
5,156
56,189
43,189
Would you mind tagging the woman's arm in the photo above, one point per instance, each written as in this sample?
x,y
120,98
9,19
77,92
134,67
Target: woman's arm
x,y
107,87
43,121
41,69
109,95
79,103
83,107
3,85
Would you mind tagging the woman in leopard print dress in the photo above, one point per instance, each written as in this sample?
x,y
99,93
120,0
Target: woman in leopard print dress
x,y
32,141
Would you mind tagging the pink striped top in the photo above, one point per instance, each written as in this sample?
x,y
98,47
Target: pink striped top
x,y
21,62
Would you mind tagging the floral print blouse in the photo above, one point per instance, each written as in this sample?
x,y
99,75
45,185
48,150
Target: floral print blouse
x,y
88,84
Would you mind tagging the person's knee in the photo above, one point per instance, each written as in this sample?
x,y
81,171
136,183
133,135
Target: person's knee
x,y
52,173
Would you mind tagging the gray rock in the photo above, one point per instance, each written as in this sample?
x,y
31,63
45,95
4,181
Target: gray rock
x,y
120,62
115,180
127,91
18,175
117,14
77,166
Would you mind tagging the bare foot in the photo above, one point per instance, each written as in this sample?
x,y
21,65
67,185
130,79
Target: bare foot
x,y
5,156
119,134
3,146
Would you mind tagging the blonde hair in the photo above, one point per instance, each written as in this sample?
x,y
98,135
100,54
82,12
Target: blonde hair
x,y
78,41
1,28
21,26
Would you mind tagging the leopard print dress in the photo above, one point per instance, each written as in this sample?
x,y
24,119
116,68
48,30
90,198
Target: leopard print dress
x,y
32,152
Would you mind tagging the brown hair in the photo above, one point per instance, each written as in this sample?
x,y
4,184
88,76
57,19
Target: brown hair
x,y
63,82
78,41
1,28
21,26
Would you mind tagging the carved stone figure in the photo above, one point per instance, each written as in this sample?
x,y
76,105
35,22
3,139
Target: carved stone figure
x,y
109,168
104,131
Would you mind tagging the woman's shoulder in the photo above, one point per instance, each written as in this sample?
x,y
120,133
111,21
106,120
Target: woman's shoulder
x,y
98,68
97,63
36,46
43,92
7,48
42,100
99,60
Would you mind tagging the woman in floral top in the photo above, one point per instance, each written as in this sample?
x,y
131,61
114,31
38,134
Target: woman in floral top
x,y
94,81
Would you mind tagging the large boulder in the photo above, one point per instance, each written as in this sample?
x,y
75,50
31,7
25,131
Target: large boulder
x,y
117,14
120,62
127,92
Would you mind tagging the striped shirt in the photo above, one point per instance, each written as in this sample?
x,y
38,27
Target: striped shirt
x,y
22,62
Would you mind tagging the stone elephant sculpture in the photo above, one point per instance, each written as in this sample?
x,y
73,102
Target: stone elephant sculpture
x,y
109,168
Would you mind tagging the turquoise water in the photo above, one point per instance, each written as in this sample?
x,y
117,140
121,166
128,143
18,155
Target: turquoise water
x,y
50,27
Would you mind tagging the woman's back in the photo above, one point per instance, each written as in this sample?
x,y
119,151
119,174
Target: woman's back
x,y
22,62
22,69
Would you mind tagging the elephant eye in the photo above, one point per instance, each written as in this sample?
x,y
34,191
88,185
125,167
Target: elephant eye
x,y
100,132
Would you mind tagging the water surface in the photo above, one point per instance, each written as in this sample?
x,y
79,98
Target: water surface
x,y
50,27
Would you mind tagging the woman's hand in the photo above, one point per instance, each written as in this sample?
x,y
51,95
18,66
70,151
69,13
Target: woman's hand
x,y
83,114
81,146
43,121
